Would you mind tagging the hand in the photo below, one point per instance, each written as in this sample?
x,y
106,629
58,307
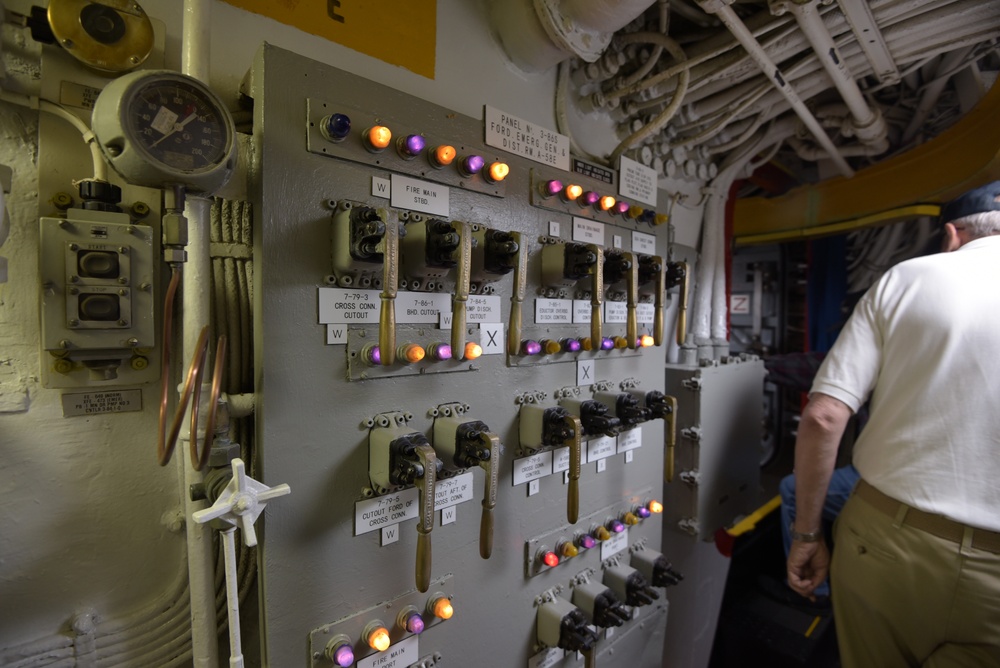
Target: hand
x,y
808,567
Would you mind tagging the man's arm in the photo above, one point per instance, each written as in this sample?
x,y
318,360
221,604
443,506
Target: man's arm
x,y
823,422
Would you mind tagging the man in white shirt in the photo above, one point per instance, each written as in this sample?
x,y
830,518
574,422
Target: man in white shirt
x,y
916,571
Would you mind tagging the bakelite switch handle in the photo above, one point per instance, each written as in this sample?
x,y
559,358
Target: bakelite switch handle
x,y
517,295
492,468
670,438
463,274
390,282
575,453
659,308
596,294
425,522
632,298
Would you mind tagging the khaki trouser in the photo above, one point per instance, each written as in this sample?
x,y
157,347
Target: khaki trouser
x,y
905,597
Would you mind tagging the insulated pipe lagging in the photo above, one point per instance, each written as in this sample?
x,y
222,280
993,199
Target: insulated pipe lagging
x,y
756,51
603,15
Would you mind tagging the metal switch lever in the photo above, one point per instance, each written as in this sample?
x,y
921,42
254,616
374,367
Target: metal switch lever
x,y
662,407
425,523
596,293
652,269
677,274
462,278
554,426
390,281
632,299
575,453
517,295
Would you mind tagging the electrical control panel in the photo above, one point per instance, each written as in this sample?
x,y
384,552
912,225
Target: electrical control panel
x,y
464,354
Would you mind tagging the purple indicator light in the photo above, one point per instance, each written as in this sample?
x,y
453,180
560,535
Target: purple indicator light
x,y
553,188
440,352
590,198
571,345
336,126
374,355
616,526
587,541
414,144
621,208
343,656
415,624
607,344
643,512
531,347
473,164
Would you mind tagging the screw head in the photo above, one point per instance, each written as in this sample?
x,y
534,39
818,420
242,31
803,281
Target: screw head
x,y
139,363
74,291
73,247
123,250
122,280
123,322
63,366
64,343
73,322
74,279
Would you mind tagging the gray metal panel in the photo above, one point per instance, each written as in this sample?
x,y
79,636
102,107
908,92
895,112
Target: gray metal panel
x,y
313,570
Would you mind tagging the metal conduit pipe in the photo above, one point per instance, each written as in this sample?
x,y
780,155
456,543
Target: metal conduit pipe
x,y
930,95
868,126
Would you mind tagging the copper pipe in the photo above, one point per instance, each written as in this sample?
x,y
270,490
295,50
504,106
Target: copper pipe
x,y
194,371
163,453
199,461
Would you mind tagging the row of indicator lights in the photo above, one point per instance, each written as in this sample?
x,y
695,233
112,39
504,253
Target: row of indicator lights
x,y
411,353
597,535
377,138
572,192
376,633
553,347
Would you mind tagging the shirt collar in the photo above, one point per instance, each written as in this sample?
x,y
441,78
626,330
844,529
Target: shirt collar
x,y
982,242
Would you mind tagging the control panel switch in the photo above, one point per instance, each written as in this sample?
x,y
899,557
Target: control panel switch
x,y
630,585
594,416
563,625
600,605
655,568
554,426
626,408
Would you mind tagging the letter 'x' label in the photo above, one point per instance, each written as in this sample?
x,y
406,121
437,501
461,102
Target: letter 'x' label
x,y
491,338
585,372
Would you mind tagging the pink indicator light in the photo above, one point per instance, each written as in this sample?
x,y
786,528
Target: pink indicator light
x,y
413,145
374,355
473,164
440,352
621,208
531,347
589,198
550,559
616,526
607,344
552,188
415,624
343,656
571,345
587,541
643,512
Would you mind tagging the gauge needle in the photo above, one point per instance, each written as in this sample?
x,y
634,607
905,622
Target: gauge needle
x,y
177,126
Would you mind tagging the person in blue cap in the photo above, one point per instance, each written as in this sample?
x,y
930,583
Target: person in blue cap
x,y
916,573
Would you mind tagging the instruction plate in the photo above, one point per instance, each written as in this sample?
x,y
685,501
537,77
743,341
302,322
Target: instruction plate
x,y
93,403
637,181
373,514
531,141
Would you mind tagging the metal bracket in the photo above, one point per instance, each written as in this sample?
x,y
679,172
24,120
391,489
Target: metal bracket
x,y
689,525
386,420
692,434
535,397
693,383
691,477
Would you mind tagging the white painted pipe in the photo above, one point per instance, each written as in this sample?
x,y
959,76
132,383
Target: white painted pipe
x,y
603,15
929,96
228,537
197,314
742,34
869,126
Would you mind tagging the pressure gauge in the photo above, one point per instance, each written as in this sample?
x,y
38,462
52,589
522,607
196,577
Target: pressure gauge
x,y
160,128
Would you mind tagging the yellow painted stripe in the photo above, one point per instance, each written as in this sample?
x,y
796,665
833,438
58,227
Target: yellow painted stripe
x,y
751,520
964,156
881,218
812,627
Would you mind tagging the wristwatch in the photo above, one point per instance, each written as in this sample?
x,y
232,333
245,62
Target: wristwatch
x,y
812,537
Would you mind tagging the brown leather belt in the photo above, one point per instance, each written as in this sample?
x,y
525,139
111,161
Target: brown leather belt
x,y
936,525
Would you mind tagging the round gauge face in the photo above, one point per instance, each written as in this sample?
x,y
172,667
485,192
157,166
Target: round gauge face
x,y
178,125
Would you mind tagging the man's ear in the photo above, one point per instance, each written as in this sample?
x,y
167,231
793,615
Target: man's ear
x,y
951,239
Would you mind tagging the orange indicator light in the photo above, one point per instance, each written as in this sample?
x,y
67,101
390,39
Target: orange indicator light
x,y
551,347
655,506
568,550
572,191
601,533
498,171
661,218
607,202
646,340
630,519
635,211
411,353
442,608
444,155
586,343
378,638
378,137
621,342
473,351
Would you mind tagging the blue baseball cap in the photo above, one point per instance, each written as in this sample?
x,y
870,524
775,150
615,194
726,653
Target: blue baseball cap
x,y
983,198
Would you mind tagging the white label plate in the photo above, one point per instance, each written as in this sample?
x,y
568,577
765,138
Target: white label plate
x,y
373,514
615,544
615,312
553,311
546,658
483,308
588,231
417,195
630,440
491,338
381,187
94,403
534,467
452,491
586,374
404,653
601,447
637,181
643,243
336,334
518,136
645,313
560,460
581,311
338,306
739,303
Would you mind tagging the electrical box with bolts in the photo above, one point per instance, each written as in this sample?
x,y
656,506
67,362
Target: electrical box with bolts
x,y
554,426
400,457
625,406
432,248
594,416
494,255
629,585
462,442
358,240
564,265
655,568
98,306
561,624
621,278
652,287
598,603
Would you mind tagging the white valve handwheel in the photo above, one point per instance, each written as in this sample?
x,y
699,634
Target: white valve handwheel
x,y
241,502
